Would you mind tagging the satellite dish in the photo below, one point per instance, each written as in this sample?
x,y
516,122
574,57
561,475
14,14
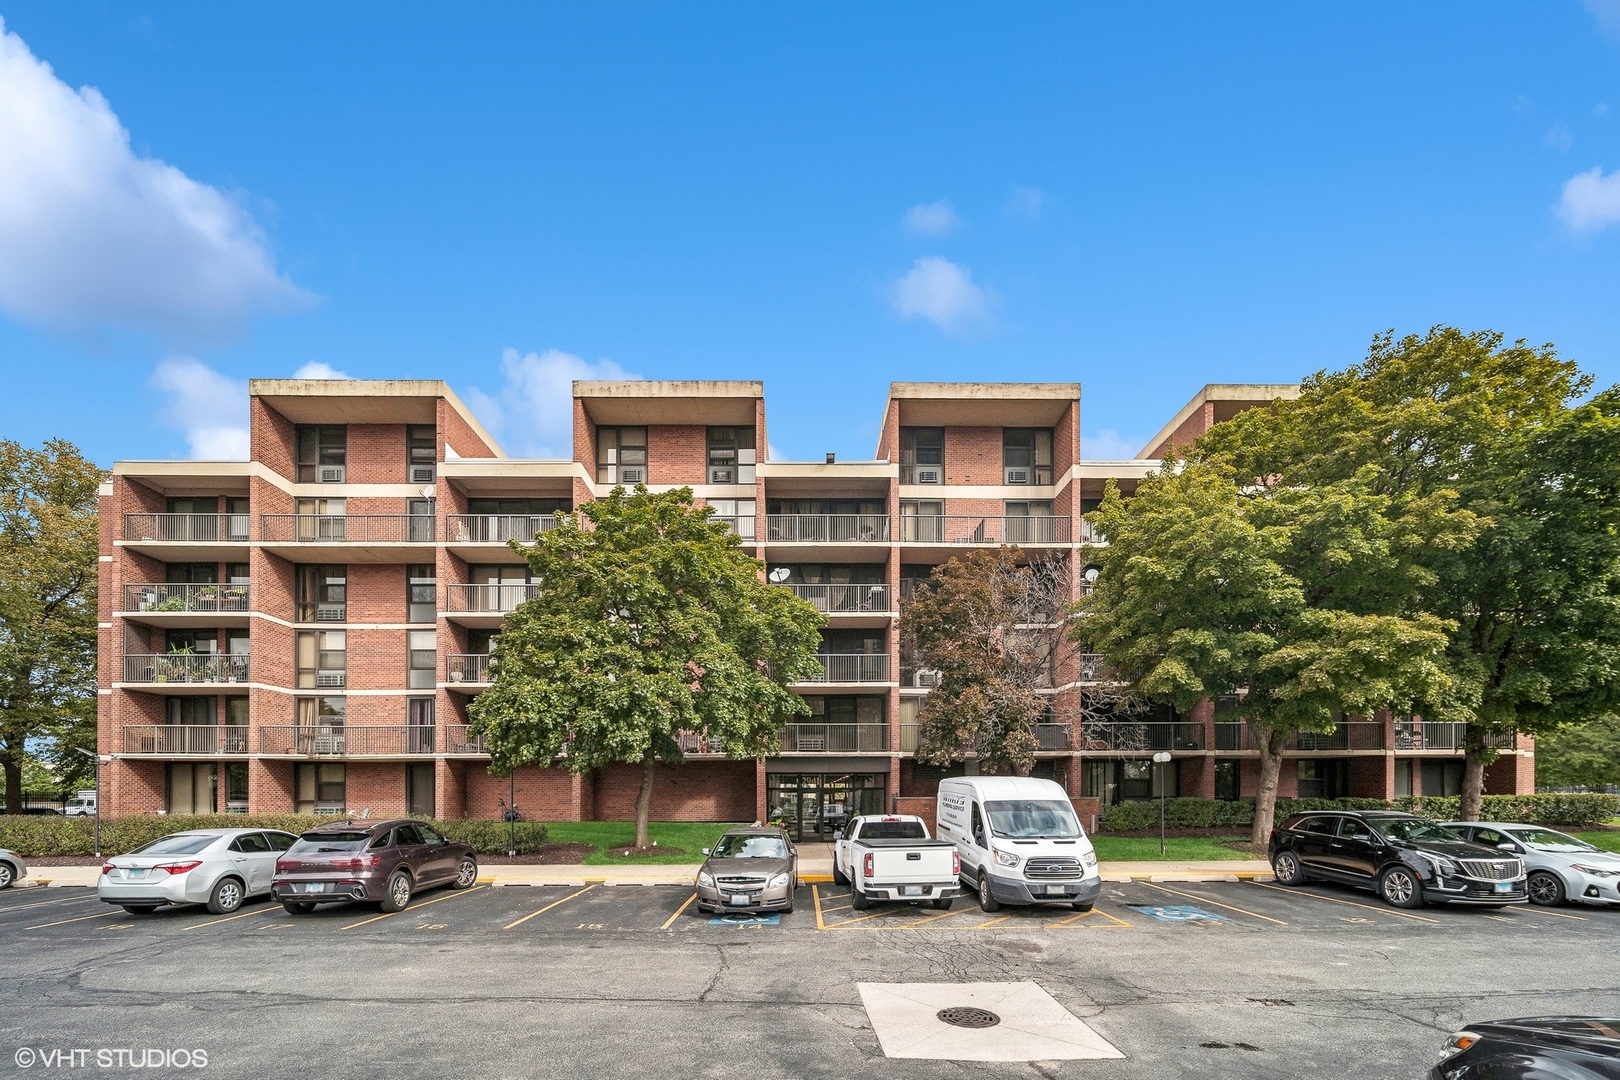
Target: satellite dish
x,y
779,575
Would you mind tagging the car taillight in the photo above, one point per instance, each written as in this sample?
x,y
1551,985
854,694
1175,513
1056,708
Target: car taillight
x,y
179,867
357,863
107,869
284,867
956,864
867,865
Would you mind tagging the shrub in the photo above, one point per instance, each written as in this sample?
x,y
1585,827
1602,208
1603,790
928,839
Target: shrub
x,y
1572,810
36,837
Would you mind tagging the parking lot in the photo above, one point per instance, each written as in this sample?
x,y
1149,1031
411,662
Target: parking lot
x,y
1185,979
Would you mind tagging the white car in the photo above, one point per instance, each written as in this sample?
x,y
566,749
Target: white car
x,y
217,867
12,868
81,805
1560,867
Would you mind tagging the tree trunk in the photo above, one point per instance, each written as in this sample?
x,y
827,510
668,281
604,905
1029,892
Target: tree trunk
x,y
1265,796
1473,785
644,802
13,773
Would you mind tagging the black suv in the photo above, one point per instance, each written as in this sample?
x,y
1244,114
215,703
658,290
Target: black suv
x,y
1404,859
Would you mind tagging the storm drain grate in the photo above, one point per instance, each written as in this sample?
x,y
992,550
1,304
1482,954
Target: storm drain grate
x,y
966,1016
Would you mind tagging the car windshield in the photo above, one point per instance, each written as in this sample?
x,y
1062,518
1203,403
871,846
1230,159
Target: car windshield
x,y
176,844
1032,819
893,830
750,847
331,841
1548,840
1414,829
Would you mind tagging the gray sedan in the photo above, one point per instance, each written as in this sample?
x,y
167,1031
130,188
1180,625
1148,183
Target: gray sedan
x,y
12,868
217,867
1560,867
749,870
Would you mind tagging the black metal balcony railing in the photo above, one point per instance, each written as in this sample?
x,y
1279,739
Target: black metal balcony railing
x,y
844,599
827,528
176,739
369,740
200,599
852,668
347,528
1094,668
973,529
835,738
459,739
1347,735
1148,735
187,528
186,668
496,599
467,667
1047,737
497,528
1442,735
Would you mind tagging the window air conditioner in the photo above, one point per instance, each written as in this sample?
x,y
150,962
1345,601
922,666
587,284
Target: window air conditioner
x,y
632,474
421,474
329,612
1015,476
330,678
721,476
930,474
332,474
925,677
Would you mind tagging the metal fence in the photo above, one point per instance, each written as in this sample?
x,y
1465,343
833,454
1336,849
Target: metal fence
x,y
370,740
497,599
827,528
185,668
852,668
187,528
1094,668
185,739
347,528
202,599
467,667
1148,735
459,739
844,599
497,528
835,738
958,529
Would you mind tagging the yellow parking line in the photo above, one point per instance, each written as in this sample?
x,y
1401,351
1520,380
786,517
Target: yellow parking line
x,y
551,905
1114,919
81,918
1553,914
1352,903
1213,903
427,903
230,918
815,896
671,920
992,922
835,907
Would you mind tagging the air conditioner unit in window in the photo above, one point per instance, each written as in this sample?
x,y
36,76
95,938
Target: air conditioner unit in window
x,y
1015,476
421,474
930,474
925,677
332,474
629,474
722,476
330,678
329,612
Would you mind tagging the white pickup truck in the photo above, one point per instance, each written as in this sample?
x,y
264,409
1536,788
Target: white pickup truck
x,y
890,857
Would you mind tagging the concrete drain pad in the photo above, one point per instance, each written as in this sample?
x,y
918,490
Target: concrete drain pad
x,y
1030,1025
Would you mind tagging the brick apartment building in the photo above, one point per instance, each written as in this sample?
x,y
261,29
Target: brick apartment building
x,y
305,630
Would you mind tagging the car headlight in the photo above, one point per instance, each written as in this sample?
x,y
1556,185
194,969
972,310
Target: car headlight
x,y
1595,871
1441,865
1089,858
1007,858
1455,1045
705,880
779,880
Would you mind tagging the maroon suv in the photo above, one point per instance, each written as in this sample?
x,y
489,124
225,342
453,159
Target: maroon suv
x,y
383,862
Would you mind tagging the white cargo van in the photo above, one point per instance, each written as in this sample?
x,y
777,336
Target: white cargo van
x,y
1020,841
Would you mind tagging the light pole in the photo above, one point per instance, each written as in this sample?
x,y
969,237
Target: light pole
x,y
96,826
1161,759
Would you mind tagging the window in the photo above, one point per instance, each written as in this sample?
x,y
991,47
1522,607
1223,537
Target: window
x,y
1322,824
731,455
1030,523
236,787
1442,777
421,453
236,573
419,718
209,505
423,660
922,521
323,451
847,709
251,843
1403,777
1226,780
419,801
322,594
421,589
236,522
736,513
1026,456
1319,779
1354,829
322,715
323,659
319,788
191,573
190,787
621,455
321,519
922,455
202,642
1141,779
481,642
420,520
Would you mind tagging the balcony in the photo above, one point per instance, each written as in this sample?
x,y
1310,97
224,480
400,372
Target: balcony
x,y
845,599
1094,668
497,528
835,738
954,529
1445,736
346,529
187,528
1347,735
177,740
467,668
1148,736
185,669
741,525
1048,737
852,668
498,599
459,739
159,598
695,742
370,740
827,528
1090,534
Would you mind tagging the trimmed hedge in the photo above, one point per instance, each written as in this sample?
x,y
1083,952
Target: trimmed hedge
x,y
35,837
1575,809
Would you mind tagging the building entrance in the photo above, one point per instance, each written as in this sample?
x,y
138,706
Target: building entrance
x,y
816,806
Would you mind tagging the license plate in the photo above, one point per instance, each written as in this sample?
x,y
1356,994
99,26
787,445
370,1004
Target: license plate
x,y
911,890
134,874
737,898
314,886
1504,886
1056,890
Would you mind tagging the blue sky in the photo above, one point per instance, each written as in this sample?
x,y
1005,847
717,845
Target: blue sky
x,y
1140,198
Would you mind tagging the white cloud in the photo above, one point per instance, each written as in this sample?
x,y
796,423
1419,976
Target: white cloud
x,y
534,408
1591,201
1560,138
1607,14
941,292
931,219
94,237
1024,202
315,369
1109,445
212,409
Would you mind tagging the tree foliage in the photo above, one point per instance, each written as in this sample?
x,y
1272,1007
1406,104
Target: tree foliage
x,y
48,550
1580,755
651,623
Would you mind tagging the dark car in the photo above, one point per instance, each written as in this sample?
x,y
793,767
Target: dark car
x,y
1536,1048
749,870
1404,859
382,862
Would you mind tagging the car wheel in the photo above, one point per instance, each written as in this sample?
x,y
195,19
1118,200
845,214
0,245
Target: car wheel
x,y
1546,890
858,900
1399,887
466,873
986,901
1287,869
7,875
944,903
1079,906
398,892
140,909
839,877
705,909
226,897
298,907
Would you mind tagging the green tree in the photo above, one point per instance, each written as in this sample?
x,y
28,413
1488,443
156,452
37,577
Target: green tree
x,y
651,623
48,549
991,625
1580,755
1505,434
1278,598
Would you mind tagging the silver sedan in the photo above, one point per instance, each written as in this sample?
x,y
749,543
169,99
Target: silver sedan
x,y
217,867
1560,867
12,868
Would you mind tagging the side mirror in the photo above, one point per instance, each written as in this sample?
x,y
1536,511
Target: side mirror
x,y
1507,845
705,851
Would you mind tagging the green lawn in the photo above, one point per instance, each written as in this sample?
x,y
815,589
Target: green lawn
x,y
1608,841
691,837
1177,848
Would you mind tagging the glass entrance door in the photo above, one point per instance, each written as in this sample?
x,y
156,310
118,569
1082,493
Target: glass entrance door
x,y
816,806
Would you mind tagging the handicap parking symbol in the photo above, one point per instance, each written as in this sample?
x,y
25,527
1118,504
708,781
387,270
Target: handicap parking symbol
x,y
743,918
1177,913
